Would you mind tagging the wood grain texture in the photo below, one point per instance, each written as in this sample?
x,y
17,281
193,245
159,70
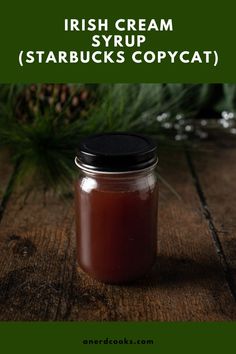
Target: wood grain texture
x,y
5,173
217,176
39,279
6,176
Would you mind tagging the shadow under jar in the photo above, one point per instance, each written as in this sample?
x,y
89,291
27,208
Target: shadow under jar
x,y
116,206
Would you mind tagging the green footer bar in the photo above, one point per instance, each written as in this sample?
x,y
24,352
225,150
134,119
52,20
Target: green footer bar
x,y
148,337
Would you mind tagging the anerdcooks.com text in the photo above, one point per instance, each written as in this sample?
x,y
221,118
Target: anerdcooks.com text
x,y
117,42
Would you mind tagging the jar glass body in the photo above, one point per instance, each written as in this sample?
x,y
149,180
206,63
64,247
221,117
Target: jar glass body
x,y
116,224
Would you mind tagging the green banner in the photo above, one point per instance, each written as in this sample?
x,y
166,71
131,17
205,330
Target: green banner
x,y
122,41
117,337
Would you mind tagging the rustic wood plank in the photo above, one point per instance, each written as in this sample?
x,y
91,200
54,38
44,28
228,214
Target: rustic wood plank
x,y
6,170
37,262
39,279
217,173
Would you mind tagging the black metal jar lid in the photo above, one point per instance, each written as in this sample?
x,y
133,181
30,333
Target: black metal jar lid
x,y
116,152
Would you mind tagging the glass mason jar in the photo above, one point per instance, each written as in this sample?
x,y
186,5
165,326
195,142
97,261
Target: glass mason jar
x,y
116,206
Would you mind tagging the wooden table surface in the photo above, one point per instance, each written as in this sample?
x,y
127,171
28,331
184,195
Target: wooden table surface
x,y
194,277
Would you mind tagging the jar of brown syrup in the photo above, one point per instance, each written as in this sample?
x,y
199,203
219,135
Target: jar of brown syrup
x,y
116,206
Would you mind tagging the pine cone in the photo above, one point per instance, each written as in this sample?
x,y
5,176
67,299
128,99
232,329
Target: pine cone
x,y
69,100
